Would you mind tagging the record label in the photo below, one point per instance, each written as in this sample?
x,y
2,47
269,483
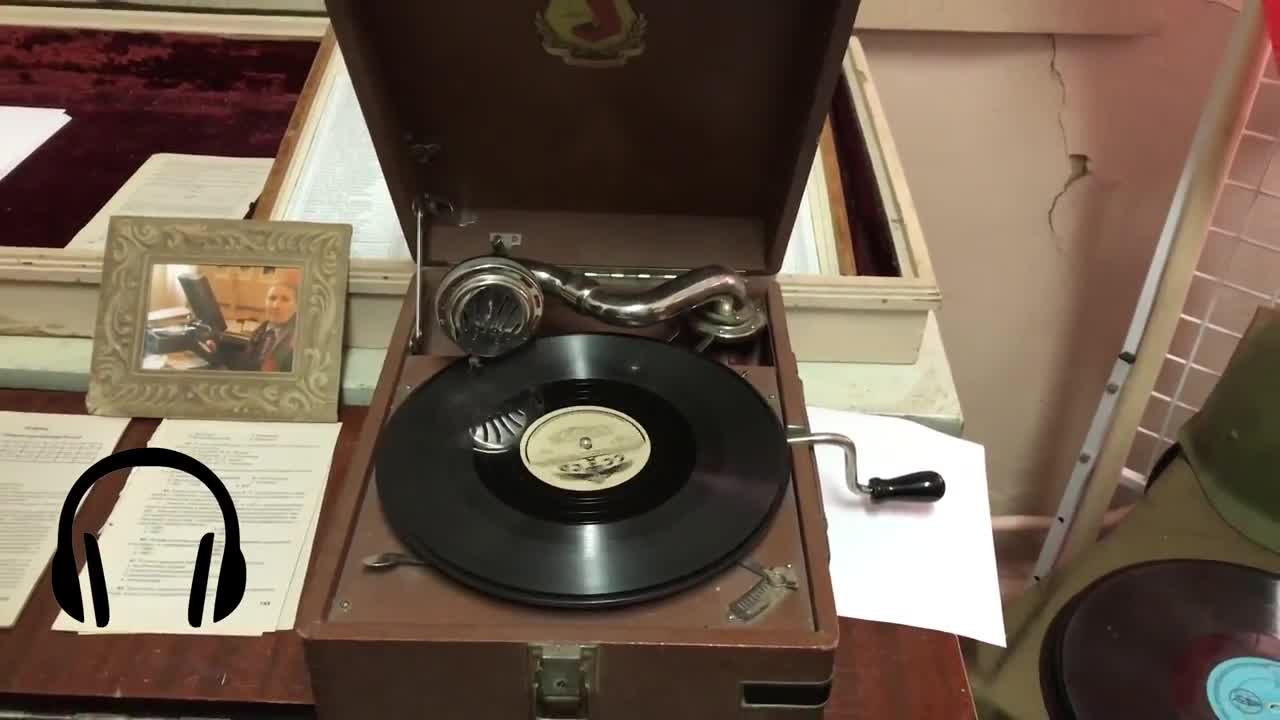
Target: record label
x,y
1245,687
585,448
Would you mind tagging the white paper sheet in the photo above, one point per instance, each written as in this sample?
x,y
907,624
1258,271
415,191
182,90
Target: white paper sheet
x,y
276,474
923,565
23,130
41,457
310,437
182,186
341,180
802,252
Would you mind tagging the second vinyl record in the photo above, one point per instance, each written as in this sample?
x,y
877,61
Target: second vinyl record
x,y
636,469
1177,639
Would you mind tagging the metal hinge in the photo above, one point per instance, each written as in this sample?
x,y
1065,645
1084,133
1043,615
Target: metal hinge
x,y
563,681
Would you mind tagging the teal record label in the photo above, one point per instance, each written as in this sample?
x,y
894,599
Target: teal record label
x,y
1245,688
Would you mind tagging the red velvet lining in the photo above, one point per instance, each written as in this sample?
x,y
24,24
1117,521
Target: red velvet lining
x,y
131,95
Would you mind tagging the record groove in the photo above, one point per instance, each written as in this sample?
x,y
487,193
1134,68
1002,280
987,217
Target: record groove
x,y
641,469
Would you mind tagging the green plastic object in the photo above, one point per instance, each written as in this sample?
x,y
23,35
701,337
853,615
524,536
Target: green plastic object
x,y
1233,442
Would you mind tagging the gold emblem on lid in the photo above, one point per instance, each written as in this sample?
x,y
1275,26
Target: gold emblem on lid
x,y
592,33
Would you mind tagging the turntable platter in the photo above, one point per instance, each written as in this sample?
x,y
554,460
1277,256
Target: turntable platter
x,y
615,469
1185,639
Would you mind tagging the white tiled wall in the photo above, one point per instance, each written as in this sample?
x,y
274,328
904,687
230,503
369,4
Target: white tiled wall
x,y
1239,270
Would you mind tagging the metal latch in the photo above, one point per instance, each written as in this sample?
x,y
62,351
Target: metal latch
x,y
563,681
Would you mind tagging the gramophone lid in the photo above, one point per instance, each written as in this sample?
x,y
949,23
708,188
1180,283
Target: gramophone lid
x,y
607,133
1233,441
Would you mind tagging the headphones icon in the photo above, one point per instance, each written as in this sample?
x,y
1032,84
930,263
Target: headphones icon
x,y
231,578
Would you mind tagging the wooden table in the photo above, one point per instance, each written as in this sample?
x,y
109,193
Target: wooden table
x,y
882,670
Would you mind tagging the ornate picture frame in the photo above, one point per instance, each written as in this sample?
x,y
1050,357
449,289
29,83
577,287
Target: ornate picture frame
x,y
226,371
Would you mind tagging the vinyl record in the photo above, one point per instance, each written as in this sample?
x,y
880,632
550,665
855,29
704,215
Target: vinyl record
x,y
1179,639
632,469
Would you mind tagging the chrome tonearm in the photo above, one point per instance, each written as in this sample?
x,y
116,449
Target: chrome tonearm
x,y
489,306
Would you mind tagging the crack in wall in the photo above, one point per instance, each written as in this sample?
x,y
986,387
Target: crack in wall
x,y
1062,88
1079,162
1079,171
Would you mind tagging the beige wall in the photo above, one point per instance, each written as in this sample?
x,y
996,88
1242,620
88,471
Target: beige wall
x,y
1036,305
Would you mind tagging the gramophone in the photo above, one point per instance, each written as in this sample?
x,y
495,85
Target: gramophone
x,y
585,486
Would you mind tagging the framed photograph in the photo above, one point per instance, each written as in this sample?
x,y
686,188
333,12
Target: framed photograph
x,y
220,319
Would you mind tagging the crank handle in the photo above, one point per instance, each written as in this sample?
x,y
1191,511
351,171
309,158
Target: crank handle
x,y
924,486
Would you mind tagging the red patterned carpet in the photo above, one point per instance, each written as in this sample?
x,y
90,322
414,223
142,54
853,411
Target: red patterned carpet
x,y
131,95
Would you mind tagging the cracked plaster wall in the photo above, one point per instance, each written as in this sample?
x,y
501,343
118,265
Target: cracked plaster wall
x,y
1043,167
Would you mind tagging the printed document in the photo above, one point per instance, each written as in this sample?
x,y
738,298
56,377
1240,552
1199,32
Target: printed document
x,y
924,565
276,474
41,457
23,130
341,181
181,186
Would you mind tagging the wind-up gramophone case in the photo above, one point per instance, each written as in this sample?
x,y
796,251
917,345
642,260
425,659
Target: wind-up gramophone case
x,y
626,137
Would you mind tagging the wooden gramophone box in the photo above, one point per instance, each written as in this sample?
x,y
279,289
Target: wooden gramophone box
x,y
632,143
